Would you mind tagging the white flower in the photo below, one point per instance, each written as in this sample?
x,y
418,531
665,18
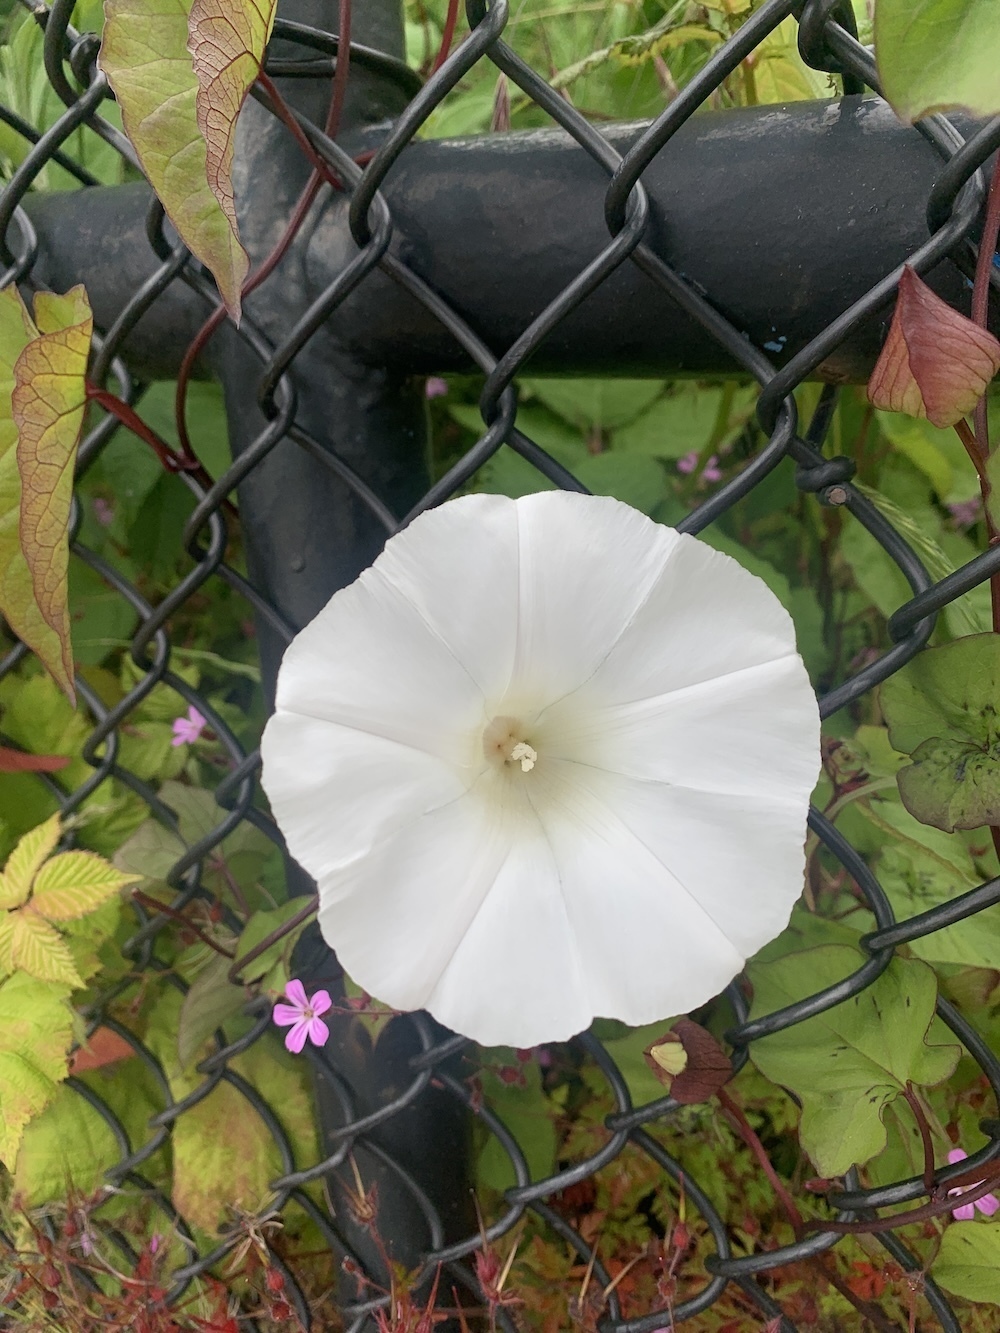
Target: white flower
x,y
546,759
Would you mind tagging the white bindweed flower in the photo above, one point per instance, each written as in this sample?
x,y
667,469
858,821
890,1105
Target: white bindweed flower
x,y
547,760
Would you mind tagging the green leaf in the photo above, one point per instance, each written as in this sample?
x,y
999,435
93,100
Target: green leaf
x,y
628,1053
38,949
211,1000
529,1117
260,925
938,453
968,1261
595,403
24,861
75,883
942,709
36,1032
68,1147
935,55
145,56
43,625
639,482
674,425
848,1064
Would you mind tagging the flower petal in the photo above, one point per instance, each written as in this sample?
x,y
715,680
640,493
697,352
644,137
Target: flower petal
x,y
337,793
755,731
321,1002
286,1014
295,1038
471,892
988,1204
572,546
296,992
319,1033
965,1213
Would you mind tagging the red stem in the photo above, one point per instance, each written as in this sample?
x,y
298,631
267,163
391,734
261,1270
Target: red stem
x,y
749,1137
981,291
933,1209
447,37
925,1137
155,906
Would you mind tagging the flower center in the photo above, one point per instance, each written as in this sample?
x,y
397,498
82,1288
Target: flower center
x,y
504,743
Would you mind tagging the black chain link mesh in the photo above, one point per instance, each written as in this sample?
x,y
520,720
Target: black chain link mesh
x,y
828,41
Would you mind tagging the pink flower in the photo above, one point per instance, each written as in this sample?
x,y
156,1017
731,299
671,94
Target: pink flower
x,y
965,513
104,511
436,387
188,729
710,472
303,1016
988,1204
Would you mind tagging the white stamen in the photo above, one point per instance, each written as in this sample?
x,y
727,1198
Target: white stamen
x,y
525,755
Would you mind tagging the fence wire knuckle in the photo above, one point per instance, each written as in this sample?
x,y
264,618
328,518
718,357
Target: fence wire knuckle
x,y
276,343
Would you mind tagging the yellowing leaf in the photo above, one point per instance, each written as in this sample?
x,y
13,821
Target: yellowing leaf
x,y
38,949
17,600
227,42
25,859
48,403
146,59
935,363
36,1032
934,55
75,883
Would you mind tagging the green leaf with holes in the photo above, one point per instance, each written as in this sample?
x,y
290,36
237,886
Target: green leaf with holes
x,y
943,709
936,55
848,1064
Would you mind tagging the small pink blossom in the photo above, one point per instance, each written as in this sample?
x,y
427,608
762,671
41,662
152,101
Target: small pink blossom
x,y
303,1016
187,729
965,513
104,511
436,387
710,472
988,1204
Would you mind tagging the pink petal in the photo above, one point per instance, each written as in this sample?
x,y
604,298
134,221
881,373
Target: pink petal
x,y
689,462
319,1033
286,1014
196,718
321,1002
965,1213
956,1155
296,992
988,1204
296,1037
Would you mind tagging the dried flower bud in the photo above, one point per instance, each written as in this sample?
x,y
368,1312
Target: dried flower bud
x,y
689,1062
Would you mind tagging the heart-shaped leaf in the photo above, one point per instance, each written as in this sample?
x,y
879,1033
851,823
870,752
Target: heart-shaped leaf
x,y
935,55
943,709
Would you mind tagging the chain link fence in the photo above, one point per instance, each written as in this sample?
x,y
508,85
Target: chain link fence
x,y
406,1127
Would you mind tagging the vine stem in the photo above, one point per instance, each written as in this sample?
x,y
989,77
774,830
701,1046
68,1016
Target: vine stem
x,y
153,905
279,933
749,1136
925,1137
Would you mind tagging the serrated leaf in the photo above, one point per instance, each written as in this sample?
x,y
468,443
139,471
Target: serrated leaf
x,y
936,55
211,999
24,861
968,1261
75,883
38,949
36,1032
226,40
145,56
17,601
848,1064
935,363
943,709
47,403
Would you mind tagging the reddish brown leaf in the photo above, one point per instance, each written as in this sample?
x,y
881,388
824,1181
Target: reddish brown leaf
x,y
935,363
16,761
103,1048
702,1065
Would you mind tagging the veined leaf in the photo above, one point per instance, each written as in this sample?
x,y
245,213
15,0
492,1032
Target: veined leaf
x,y
47,405
968,1262
23,862
38,949
36,1032
75,883
146,59
849,1063
227,42
935,55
